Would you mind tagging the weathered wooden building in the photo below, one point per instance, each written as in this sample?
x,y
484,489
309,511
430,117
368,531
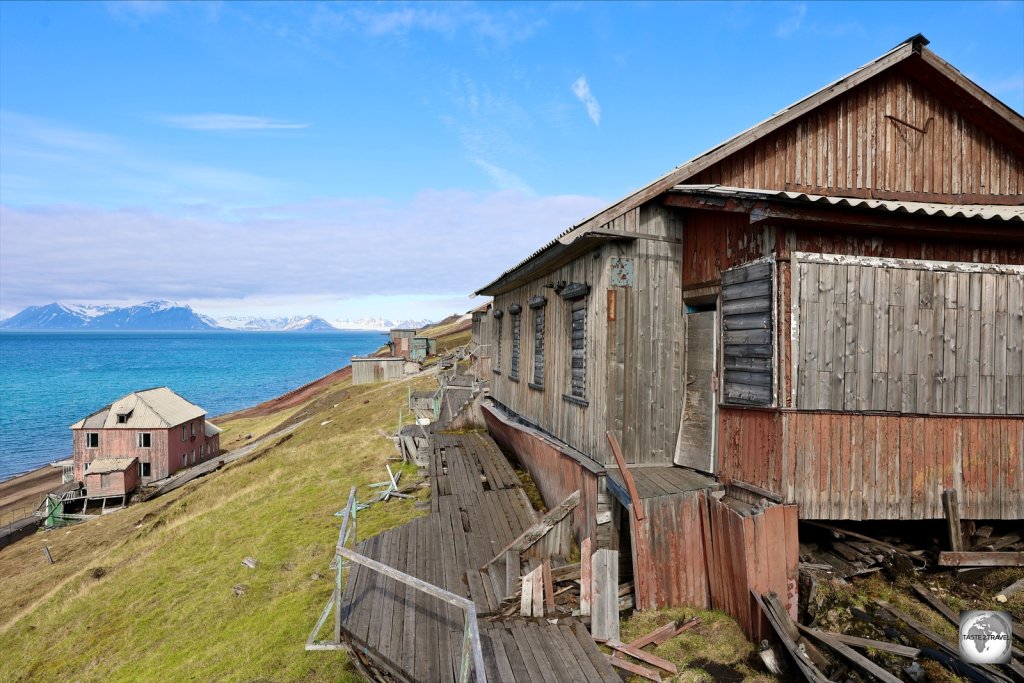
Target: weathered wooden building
x,y
400,341
824,311
155,430
379,369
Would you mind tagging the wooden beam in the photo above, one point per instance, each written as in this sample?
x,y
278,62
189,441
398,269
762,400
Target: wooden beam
x,y
637,653
536,532
627,477
549,587
622,234
981,559
632,668
850,655
782,624
951,505
881,645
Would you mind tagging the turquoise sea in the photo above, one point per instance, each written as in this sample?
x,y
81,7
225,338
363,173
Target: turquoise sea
x,y
49,380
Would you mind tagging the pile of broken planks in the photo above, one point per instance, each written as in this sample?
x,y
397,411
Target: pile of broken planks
x,y
887,643
478,510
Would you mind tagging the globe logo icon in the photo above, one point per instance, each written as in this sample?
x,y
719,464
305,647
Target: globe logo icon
x,y
985,636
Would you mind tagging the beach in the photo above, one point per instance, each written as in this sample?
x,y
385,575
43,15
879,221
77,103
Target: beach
x,y
20,495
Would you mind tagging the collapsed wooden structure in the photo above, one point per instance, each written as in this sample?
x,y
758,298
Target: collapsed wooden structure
x,y
822,317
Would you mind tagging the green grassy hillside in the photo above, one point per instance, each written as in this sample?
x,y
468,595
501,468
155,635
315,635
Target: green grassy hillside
x,y
158,591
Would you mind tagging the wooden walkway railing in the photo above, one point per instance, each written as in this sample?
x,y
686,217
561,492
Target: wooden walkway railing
x,y
472,661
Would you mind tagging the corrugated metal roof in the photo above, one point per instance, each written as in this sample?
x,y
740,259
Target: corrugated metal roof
x,y
157,408
999,212
107,465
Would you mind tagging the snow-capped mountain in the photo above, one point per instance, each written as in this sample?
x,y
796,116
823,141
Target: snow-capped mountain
x,y
55,316
382,324
295,323
152,315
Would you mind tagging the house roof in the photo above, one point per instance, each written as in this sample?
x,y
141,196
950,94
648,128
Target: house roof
x,y
211,429
1009,123
107,465
993,212
157,408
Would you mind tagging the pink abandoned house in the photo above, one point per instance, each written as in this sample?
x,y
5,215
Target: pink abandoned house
x,y
142,437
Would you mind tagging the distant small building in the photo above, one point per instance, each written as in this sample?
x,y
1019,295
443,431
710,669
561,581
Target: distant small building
x,y
401,341
144,436
379,369
423,347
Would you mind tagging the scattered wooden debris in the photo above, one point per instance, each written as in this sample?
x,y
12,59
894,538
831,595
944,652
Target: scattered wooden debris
x,y
637,653
853,657
250,562
788,634
881,645
1014,587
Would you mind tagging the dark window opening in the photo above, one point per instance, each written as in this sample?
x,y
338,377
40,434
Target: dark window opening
x,y
92,439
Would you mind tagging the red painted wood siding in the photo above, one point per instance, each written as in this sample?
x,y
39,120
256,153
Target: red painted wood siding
x,y
756,552
556,474
668,553
164,454
877,466
856,146
714,241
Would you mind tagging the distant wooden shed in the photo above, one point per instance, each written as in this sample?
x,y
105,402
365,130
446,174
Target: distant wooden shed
x,y
423,347
401,341
377,369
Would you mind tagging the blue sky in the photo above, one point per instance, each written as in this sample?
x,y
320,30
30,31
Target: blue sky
x,y
386,159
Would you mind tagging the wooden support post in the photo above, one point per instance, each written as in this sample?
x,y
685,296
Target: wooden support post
x,y
549,588
604,621
627,477
513,573
49,557
586,558
981,559
951,505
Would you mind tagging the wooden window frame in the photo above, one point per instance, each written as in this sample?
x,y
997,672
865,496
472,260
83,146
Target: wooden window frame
x,y
577,297
538,305
773,336
148,437
960,268
89,439
515,312
498,317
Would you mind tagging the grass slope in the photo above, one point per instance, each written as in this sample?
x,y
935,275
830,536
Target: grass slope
x,y
149,593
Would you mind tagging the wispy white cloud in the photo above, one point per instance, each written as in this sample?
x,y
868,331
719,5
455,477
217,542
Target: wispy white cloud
x,y
792,23
229,122
325,249
581,89
503,178
48,162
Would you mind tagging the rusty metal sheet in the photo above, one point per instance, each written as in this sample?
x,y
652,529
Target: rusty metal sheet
x,y
620,272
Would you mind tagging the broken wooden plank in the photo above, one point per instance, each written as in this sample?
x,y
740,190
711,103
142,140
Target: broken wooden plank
x,y
637,653
632,668
526,606
1014,587
604,618
536,532
881,645
627,477
549,588
951,506
850,655
936,603
585,572
782,630
981,559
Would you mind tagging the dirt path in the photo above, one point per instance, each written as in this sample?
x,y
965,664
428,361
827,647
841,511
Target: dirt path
x,y
20,495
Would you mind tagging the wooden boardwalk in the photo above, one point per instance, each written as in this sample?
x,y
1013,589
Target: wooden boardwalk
x,y
477,508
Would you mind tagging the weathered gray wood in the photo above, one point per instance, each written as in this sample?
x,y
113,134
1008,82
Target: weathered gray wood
x,y
604,620
951,506
855,658
586,572
695,444
880,645
981,559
